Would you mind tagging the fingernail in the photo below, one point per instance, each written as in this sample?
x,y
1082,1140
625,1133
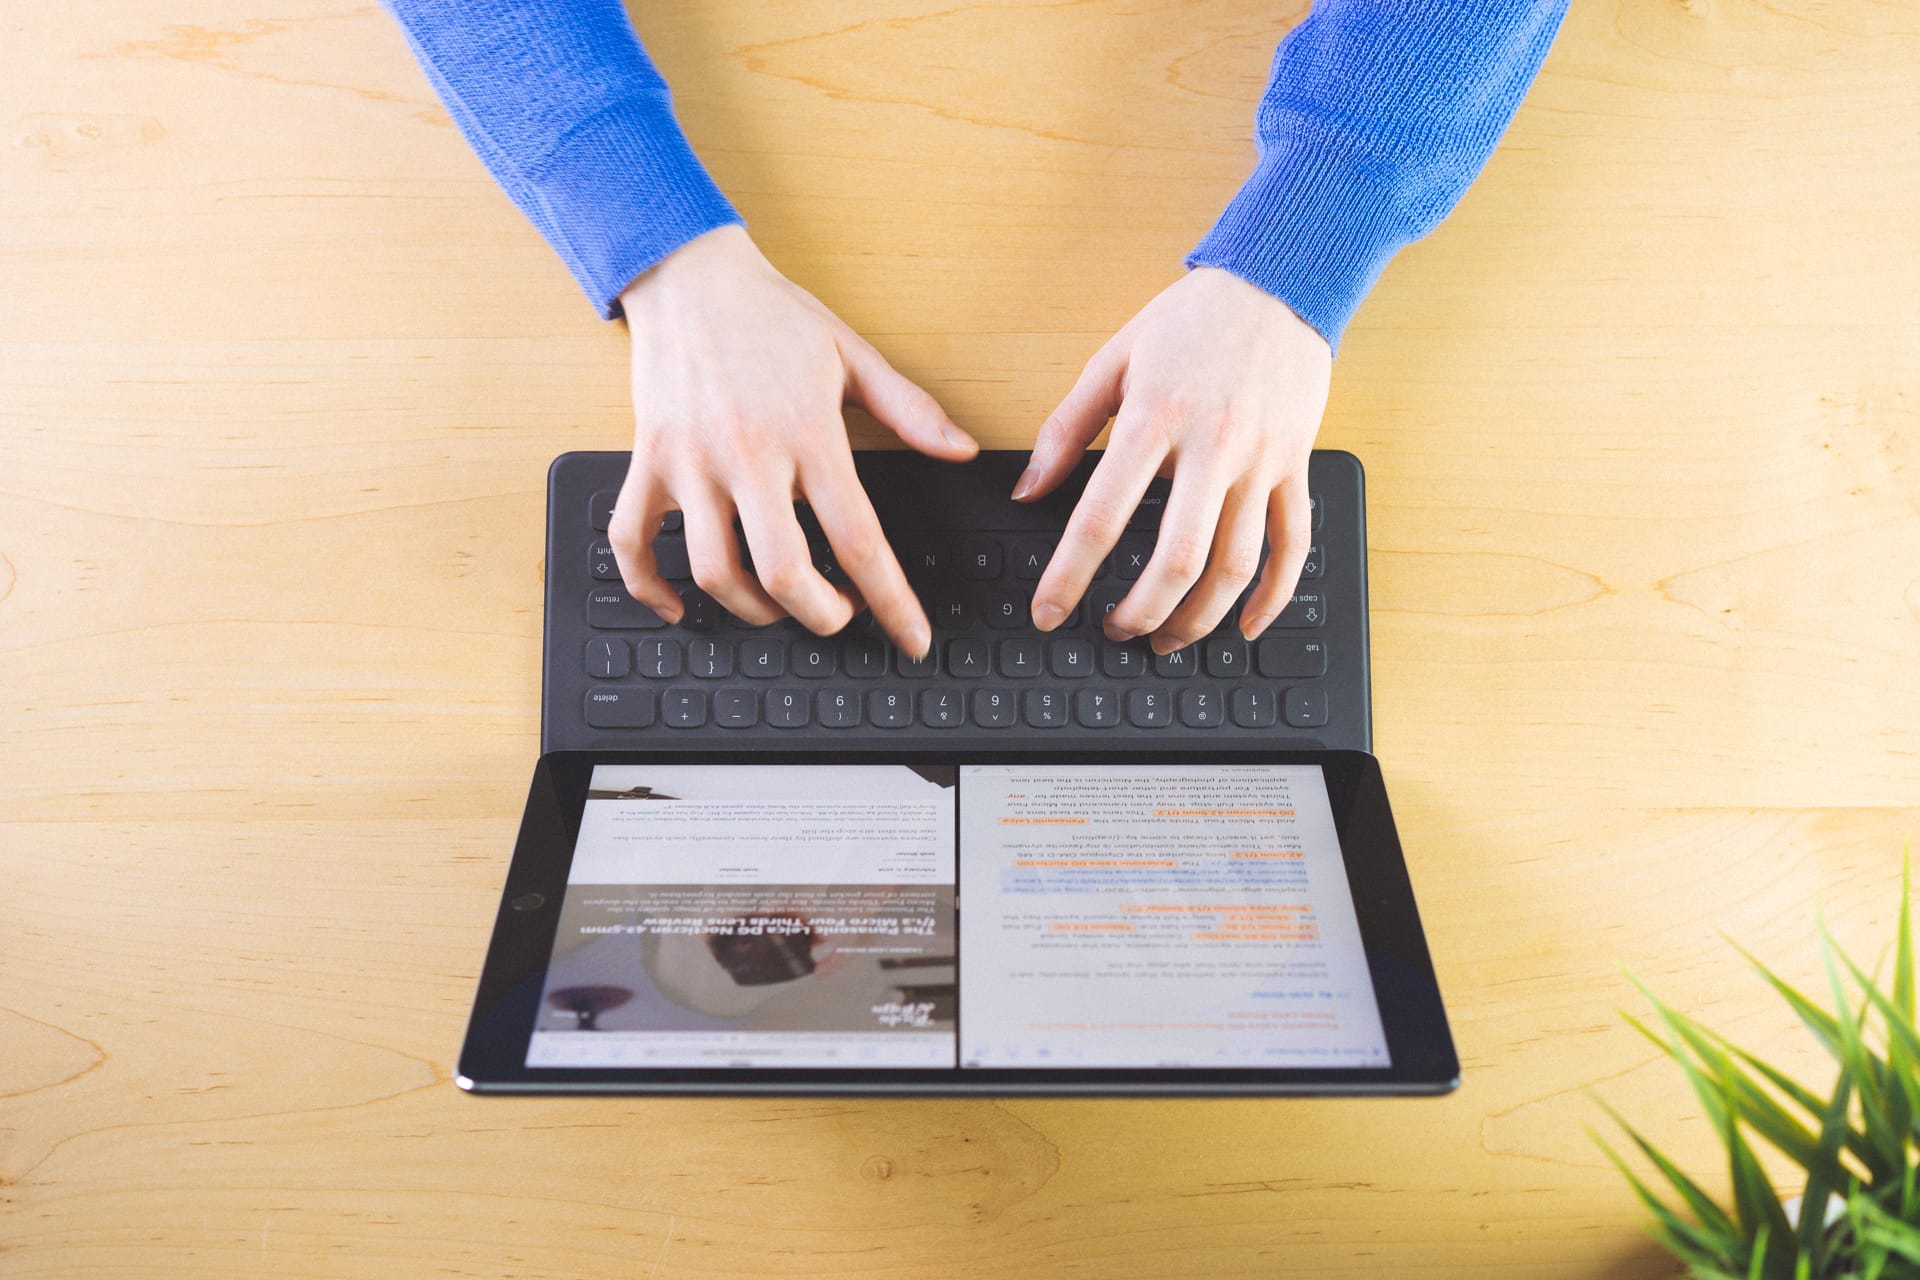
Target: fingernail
x,y
1162,646
1047,615
1256,626
956,437
918,641
1027,480
1116,634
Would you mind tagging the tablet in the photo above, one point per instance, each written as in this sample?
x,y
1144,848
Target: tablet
x,y
921,922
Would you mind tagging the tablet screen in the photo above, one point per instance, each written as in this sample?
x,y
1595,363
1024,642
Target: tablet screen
x,y
756,916
1159,916
793,915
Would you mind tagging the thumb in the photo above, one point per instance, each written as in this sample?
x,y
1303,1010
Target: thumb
x,y
895,400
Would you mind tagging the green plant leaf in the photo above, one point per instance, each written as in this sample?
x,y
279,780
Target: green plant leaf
x,y
1903,1048
1886,1145
1903,942
1825,1176
1859,1144
1751,1102
1699,1247
1710,1215
1882,1230
1818,1020
1805,1097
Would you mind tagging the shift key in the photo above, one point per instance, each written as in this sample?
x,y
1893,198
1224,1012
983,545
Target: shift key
x,y
611,609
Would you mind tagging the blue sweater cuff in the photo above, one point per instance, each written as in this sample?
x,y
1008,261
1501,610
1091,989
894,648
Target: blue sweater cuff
x,y
1310,228
623,190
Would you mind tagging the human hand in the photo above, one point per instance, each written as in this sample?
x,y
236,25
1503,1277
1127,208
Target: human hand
x,y
1220,385
738,380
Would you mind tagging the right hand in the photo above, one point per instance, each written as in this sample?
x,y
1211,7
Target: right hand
x,y
738,380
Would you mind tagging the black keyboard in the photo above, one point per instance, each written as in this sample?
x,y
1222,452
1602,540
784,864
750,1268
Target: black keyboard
x,y
618,676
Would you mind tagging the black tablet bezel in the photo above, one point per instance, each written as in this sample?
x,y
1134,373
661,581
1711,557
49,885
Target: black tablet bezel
x,y
1419,1044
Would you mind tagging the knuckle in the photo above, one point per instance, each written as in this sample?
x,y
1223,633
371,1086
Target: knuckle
x,y
785,577
1239,564
623,530
1182,557
713,574
861,556
1100,520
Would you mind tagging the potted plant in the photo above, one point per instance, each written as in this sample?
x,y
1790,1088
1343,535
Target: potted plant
x,y
1858,1141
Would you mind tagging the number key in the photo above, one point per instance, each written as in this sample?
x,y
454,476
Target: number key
x,y
890,708
1046,708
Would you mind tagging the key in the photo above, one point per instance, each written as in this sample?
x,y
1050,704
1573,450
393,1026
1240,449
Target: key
x,y
710,659
838,710
620,707
1030,559
1316,563
890,708
1226,657
671,522
1286,658
607,659
600,562
1201,709
928,562
736,708
1020,658
1123,661
812,658
1306,708
1130,558
787,708
828,566
967,659
1046,708
1307,609
1007,608
863,657
1096,708
1101,600
683,708
1253,708
942,708
763,659
1178,663
980,559
951,613
600,507
658,657
1069,657
1318,509
702,610
1149,708
918,668
992,708
612,609
670,557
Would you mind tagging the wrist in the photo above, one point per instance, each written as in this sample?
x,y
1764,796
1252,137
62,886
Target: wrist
x,y
700,256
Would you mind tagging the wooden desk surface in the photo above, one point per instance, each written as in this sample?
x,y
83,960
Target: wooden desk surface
x,y
280,373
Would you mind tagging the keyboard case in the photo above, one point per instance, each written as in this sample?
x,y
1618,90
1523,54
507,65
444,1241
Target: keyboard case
x,y
943,513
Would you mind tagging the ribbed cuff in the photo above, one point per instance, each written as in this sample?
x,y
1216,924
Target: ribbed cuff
x,y
622,191
1312,230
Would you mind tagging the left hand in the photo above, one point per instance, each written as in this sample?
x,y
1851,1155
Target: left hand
x,y
1220,385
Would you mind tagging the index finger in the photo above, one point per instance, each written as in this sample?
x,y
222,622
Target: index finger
x,y
1099,518
860,548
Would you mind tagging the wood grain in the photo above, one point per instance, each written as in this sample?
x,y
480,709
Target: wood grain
x,y
280,373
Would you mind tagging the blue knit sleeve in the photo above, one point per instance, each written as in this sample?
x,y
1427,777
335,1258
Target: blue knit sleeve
x,y
568,113
1378,116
